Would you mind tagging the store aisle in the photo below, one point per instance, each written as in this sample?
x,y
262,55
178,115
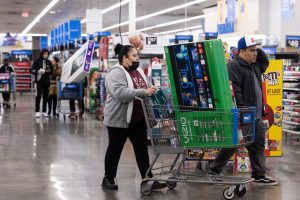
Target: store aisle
x,y
55,160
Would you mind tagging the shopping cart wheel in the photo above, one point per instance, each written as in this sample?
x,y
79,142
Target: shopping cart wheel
x,y
229,193
240,190
146,189
171,184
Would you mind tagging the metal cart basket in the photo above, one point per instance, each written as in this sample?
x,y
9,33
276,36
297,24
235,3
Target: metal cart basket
x,y
7,85
176,129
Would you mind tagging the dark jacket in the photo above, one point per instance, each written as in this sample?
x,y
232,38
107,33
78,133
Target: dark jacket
x,y
240,73
4,69
38,64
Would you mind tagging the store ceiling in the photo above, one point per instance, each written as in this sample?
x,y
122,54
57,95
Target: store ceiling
x,y
11,19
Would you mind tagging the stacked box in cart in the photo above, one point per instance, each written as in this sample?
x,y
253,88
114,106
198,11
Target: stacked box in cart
x,y
199,79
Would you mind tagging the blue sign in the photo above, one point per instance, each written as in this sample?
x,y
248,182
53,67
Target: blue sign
x,y
269,50
66,32
179,39
88,57
75,29
43,42
21,52
211,35
226,28
288,9
231,10
102,34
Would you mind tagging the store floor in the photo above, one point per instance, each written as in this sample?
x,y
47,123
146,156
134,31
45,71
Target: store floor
x,y
51,160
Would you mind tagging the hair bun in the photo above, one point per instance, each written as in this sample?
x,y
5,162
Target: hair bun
x,y
118,48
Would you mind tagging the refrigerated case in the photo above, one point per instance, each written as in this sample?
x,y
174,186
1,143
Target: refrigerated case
x,y
21,60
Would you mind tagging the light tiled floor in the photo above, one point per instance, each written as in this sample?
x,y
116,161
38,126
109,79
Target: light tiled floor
x,y
49,159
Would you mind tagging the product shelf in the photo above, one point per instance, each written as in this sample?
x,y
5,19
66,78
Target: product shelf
x,y
290,100
292,89
290,122
290,131
291,112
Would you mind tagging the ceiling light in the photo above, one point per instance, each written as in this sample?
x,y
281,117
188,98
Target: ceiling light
x,y
48,7
28,34
169,10
171,23
106,10
179,30
158,13
115,26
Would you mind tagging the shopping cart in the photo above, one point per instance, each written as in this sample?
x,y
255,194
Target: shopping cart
x,y
67,92
176,129
7,85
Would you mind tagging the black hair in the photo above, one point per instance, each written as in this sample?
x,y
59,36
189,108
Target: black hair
x,y
5,60
122,50
44,51
56,59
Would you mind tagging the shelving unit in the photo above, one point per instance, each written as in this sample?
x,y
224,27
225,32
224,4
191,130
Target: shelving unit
x,y
21,59
291,99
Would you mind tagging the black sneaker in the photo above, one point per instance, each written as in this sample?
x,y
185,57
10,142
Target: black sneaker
x,y
155,185
109,184
264,180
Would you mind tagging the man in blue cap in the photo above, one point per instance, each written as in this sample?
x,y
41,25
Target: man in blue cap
x,y
245,72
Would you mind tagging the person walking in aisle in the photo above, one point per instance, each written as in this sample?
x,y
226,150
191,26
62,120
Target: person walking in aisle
x,y
123,115
56,72
245,72
6,68
42,69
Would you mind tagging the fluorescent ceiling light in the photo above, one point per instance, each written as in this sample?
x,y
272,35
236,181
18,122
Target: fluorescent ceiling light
x,y
27,34
169,10
37,19
106,10
115,26
179,30
157,13
171,23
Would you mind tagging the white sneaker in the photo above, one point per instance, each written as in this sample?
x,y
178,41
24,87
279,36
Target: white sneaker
x,y
45,115
37,115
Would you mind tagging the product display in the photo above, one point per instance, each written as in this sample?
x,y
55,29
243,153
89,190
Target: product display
x,y
272,93
21,60
291,98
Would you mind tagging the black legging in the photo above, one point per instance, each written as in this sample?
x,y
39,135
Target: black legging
x,y
52,102
42,89
137,135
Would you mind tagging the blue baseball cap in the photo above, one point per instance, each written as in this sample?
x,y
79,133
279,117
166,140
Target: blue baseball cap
x,y
247,41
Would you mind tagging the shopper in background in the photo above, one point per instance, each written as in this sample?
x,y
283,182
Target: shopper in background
x,y
245,72
123,115
56,73
6,68
42,69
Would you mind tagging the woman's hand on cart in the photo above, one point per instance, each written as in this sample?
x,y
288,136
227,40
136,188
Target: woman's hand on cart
x,y
151,90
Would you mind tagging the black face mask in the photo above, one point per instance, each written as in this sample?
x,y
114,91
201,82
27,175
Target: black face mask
x,y
134,65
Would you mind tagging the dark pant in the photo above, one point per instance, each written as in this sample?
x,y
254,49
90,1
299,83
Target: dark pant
x,y
52,102
256,153
42,89
80,105
137,135
6,97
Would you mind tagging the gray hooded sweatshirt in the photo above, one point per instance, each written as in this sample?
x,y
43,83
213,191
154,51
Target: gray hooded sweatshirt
x,y
120,96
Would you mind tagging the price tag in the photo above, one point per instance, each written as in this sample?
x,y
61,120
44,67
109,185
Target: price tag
x,y
292,41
